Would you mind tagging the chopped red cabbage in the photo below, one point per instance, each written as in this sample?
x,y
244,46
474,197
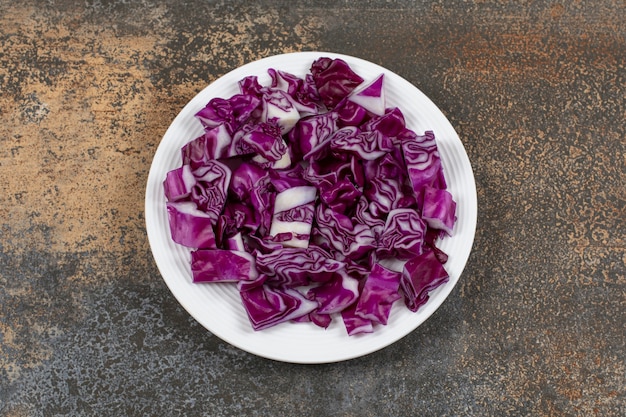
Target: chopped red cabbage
x,y
403,235
219,265
209,191
244,179
189,226
350,114
334,80
354,323
378,295
423,163
302,91
368,145
292,227
279,108
337,294
386,184
370,96
268,306
351,239
311,131
421,275
294,197
363,215
341,196
390,124
235,243
231,113
439,209
298,266
212,144
178,183
299,189
288,178
263,139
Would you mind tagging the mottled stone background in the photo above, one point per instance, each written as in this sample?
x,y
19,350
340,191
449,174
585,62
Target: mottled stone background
x,y
536,91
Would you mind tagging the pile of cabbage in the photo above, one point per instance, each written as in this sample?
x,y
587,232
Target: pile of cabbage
x,y
314,198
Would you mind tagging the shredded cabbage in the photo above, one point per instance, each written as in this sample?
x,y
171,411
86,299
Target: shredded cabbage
x,y
303,190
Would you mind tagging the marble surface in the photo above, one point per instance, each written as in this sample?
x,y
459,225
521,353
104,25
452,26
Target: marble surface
x,y
535,326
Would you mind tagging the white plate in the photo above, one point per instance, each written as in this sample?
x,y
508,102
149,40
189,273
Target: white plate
x,y
218,307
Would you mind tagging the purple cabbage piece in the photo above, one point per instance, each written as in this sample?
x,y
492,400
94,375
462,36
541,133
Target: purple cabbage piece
x,y
341,196
350,114
292,227
321,320
439,209
277,105
378,295
189,226
279,108
260,198
244,178
264,139
334,80
371,189
250,86
383,193
336,294
290,239
357,269
256,244
309,132
421,275
403,235
288,178
323,149
294,197
215,143
224,229
354,323
304,213
302,91
178,183
235,243
391,165
298,266
206,186
283,163
232,113
218,265
370,96
368,145
387,184
362,215
324,174
352,240
405,135
358,172
430,240
209,192
293,216
268,306
252,186
423,163
241,216
390,124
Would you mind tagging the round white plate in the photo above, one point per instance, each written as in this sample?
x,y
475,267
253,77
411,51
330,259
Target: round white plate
x,y
218,307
